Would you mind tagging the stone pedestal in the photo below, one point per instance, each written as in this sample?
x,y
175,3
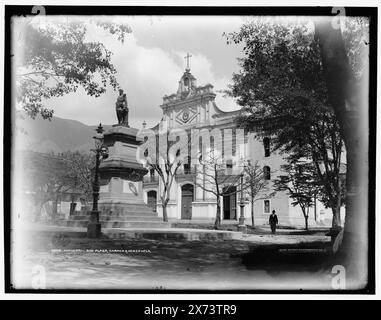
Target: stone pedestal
x,y
94,226
94,230
121,175
121,202
241,221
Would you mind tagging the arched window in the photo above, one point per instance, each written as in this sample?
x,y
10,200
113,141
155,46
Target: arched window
x,y
212,143
266,173
266,144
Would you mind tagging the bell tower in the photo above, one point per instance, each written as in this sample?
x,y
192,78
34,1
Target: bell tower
x,y
191,104
187,85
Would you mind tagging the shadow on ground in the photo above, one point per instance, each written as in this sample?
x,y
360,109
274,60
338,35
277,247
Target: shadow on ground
x,y
73,261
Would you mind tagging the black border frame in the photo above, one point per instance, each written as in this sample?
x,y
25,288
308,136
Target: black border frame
x,y
16,10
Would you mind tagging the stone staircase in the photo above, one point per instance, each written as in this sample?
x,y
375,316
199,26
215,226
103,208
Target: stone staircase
x,y
118,216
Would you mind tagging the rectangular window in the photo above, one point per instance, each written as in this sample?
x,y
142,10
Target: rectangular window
x,y
266,173
266,206
266,144
234,142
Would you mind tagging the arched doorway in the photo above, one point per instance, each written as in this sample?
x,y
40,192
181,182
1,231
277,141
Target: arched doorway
x,y
186,201
230,203
152,199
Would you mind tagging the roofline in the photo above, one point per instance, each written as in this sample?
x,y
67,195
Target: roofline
x,y
224,112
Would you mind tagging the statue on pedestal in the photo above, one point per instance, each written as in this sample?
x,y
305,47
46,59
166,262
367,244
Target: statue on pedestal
x,y
122,109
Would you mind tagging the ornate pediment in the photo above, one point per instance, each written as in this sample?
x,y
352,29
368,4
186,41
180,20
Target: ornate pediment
x,y
186,115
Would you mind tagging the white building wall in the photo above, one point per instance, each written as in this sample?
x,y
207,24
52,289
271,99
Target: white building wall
x,y
204,205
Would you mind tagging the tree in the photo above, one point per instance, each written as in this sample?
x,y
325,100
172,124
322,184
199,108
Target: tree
x,y
256,185
299,182
166,163
216,180
80,171
46,176
282,90
345,61
51,175
53,58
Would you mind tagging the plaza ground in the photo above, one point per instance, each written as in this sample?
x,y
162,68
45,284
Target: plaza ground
x,y
69,260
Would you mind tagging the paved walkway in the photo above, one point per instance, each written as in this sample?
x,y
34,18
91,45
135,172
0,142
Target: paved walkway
x,y
71,261
283,236
285,239
139,233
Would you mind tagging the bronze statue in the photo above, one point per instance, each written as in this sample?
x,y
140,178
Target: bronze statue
x,y
121,109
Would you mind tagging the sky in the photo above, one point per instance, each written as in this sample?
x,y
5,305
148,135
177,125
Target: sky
x,y
150,63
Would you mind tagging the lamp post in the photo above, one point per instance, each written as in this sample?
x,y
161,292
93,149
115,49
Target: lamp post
x,y
94,226
241,221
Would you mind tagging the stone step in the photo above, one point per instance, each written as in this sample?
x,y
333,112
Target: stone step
x,y
171,234
128,213
117,215
117,224
130,206
138,217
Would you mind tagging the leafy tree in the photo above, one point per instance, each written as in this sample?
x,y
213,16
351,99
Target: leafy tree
x,y
79,168
255,184
344,50
282,91
53,58
51,175
46,176
299,182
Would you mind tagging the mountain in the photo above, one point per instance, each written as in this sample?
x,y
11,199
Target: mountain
x,y
57,135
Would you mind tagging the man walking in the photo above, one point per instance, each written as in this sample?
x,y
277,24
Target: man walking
x,y
273,221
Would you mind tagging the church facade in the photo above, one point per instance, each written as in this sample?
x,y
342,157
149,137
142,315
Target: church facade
x,y
194,107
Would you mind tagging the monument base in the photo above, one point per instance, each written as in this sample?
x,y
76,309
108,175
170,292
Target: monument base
x,y
94,230
116,214
123,208
121,200
94,227
242,227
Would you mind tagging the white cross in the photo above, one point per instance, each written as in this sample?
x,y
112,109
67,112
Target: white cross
x,y
187,57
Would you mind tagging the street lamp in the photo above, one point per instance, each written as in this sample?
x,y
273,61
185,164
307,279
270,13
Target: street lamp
x,y
241,221
94,226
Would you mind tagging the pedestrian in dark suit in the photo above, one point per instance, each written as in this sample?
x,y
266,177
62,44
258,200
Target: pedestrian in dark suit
x,y
273,221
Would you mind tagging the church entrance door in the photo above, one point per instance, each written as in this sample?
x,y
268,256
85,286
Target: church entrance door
x,y
151,200
186,201
230,203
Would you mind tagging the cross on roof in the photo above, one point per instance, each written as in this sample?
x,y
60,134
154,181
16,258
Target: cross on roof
x,y
187,57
